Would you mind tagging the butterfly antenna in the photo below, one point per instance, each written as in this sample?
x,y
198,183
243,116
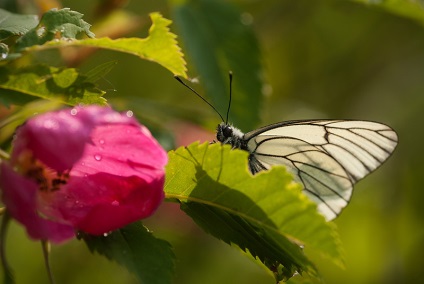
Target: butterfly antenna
x,y
230,75
197,94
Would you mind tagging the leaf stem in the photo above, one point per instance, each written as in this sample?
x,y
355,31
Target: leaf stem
x,y
46,250
8,274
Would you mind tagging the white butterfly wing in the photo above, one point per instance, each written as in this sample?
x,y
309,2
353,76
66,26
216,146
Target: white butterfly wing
x,y
327,156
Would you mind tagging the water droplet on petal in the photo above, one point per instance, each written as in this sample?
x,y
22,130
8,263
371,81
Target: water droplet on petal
x,y
115,203
102,142
74,111
129,113
97,157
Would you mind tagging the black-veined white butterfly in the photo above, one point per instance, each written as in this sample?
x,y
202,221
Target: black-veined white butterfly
x,y
327,156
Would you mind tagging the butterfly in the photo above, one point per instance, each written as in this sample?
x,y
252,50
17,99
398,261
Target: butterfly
x,y
326,156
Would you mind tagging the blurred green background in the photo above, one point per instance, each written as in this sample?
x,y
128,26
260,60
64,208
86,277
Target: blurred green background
x,y
313,59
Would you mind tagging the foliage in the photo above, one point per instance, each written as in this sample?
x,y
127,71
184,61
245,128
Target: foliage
x,y
134,247
290,60
58,29
256,213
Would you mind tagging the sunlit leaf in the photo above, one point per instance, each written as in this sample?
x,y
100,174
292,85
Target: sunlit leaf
x,y
160,46
269,207
64,85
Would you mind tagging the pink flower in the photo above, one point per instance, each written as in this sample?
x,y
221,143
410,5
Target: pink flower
x,y
86,168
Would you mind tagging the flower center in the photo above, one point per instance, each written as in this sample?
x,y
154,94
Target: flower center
x,y
47,179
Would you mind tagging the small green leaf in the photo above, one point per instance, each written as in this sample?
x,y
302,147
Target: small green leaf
x,y
274,208
134,247
65,85
14,24
219,39
56,24
160,46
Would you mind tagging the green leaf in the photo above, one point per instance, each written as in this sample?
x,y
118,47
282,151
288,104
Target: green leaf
x,y
214,180
134,247
64,85
14,24
277,252
160,46
62,24
405,8
217,40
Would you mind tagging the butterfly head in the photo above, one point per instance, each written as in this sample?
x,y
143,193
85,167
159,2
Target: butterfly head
x,y
227,134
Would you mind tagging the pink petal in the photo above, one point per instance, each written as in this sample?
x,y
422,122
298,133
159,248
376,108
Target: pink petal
x,y
57,139
123,150
104,202
19,196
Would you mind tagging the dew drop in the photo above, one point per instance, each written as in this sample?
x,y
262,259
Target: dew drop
x,y
102,142
74,111
115,203
130,113
4,50
97,157
41,31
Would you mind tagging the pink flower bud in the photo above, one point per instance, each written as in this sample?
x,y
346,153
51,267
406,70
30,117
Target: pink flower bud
x,y
86,168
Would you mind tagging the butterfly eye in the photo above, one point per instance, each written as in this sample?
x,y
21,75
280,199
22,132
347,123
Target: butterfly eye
x,y
227,131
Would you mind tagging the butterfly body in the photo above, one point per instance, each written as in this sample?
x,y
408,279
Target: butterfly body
x,y
327,156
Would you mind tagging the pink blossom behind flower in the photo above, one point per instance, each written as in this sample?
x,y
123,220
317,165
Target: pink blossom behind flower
x,y
89,169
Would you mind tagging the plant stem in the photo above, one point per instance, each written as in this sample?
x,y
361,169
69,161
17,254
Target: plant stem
x,y
46,250
8,275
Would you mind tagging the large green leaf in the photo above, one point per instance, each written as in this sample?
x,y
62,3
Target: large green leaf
x,y
229,203
134,247
160,46
218,41
66,85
